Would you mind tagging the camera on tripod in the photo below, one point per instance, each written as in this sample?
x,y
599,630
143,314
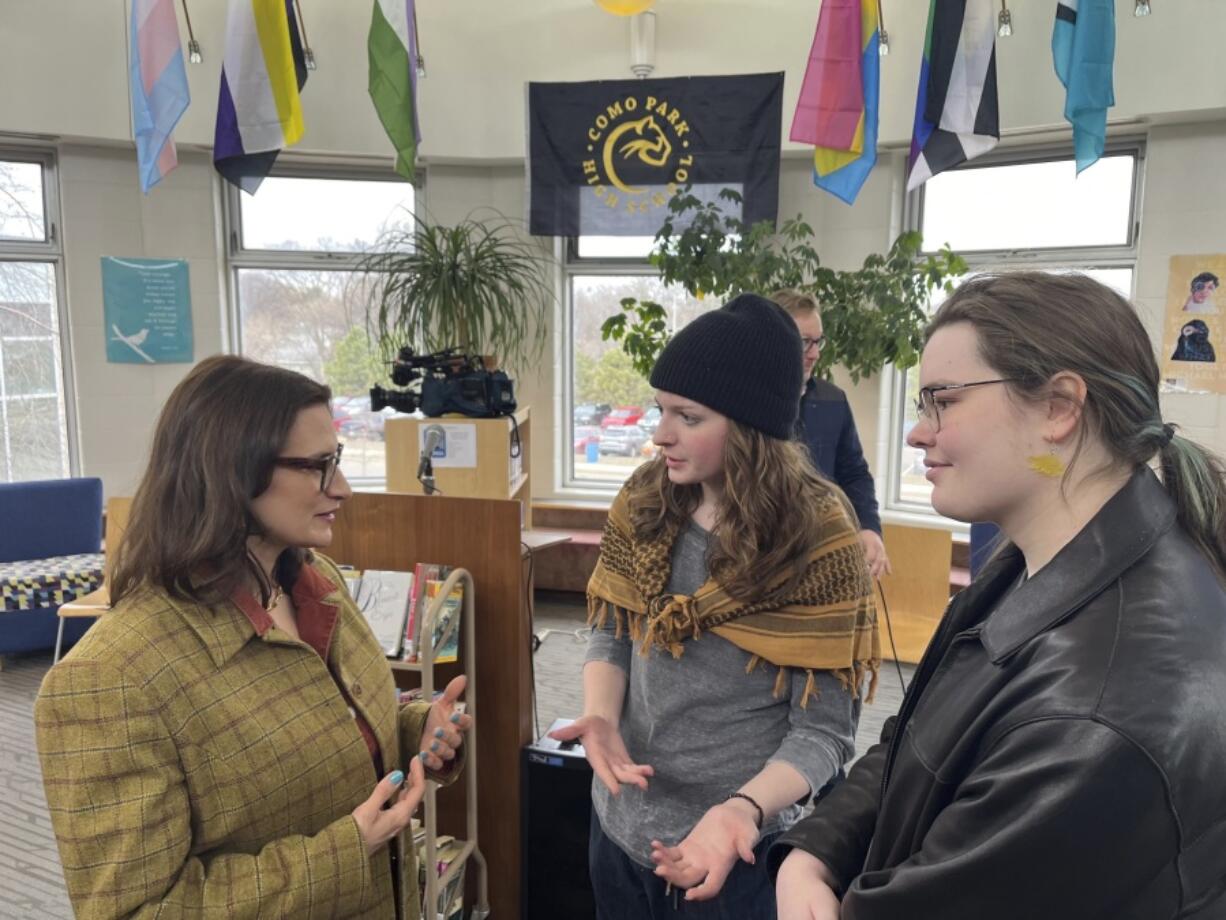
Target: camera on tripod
x,y
445,381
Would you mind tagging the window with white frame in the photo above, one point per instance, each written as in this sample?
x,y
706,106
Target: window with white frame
x,y
610,411
300,303
36,440
1017,210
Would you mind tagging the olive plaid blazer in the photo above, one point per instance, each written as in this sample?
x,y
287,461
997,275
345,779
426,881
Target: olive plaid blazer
x,y
195,769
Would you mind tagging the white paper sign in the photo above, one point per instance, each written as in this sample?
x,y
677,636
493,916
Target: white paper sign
x,y
458,448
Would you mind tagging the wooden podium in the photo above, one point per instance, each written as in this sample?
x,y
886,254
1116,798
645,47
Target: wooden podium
x,y
918,592
492,452
390,531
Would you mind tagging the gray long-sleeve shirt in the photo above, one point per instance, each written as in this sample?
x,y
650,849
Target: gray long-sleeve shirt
x,y
707,727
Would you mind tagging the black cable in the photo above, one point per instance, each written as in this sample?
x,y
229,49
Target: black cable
x,y
533,642
885,608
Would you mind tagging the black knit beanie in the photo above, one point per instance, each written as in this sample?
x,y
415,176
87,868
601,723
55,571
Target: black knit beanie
x,y
743,360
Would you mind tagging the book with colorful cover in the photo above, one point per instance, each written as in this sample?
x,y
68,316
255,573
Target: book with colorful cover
x,y
422,573
446,647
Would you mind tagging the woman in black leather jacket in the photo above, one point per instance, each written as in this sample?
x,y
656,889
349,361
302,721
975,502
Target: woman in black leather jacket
x,y
1061,749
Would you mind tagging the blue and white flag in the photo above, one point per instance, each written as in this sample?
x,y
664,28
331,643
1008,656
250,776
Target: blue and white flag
x,y
1083,50
158,86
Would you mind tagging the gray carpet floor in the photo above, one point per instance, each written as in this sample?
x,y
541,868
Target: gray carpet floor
x,y
31,883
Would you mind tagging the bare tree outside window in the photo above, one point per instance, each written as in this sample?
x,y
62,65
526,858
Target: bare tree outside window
x,y
33,424
301,304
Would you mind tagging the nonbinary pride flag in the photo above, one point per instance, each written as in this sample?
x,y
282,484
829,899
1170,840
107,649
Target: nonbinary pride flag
x,y
392,47
841,165
159,87
1083,50
957,115
263,71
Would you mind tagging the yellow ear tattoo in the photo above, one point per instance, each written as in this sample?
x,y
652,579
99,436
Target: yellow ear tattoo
x,y
1048,465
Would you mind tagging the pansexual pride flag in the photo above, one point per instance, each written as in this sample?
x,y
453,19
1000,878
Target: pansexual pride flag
x,y
837,109
159,87
263,71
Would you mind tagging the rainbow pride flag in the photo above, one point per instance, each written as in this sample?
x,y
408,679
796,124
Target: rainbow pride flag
x,y
837,109
259,111
159,88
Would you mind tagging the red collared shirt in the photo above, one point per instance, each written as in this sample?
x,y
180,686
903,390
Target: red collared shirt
x,y
316,624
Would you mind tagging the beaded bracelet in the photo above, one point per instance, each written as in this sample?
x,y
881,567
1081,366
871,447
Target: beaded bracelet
x,y
761,819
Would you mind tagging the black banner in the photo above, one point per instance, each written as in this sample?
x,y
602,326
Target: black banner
x,y
606,156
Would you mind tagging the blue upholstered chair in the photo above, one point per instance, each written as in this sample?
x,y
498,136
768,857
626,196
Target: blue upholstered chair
x,y
55,517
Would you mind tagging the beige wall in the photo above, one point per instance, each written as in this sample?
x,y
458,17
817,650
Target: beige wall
x,y
479,54
104,214
68,57
1184,213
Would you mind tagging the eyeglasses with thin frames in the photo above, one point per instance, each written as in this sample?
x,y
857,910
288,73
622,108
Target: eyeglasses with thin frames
x,y
806,343
325,466
926,405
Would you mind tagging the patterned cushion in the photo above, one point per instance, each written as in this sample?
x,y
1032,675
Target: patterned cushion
x,y
42,584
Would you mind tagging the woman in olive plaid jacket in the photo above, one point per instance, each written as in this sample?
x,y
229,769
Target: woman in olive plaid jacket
x,y
227,740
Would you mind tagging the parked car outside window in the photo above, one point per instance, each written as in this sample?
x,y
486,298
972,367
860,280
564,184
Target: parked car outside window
x,y
624,440
622,415
591,413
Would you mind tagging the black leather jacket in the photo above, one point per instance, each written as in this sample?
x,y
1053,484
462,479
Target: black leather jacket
x,y
1061,751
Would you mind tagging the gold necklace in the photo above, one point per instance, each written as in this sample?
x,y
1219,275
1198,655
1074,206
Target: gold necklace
x,y
277,594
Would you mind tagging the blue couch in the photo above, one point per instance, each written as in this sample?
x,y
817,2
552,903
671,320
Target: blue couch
x,y
55,517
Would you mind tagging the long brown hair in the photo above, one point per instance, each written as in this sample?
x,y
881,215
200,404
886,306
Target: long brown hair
x,y
1033,325
768,522
213,452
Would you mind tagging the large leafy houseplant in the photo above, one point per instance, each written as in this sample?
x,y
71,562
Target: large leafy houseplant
x,y
479,286
871,317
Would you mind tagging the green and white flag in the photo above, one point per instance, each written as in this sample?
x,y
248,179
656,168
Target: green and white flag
x,y
393,77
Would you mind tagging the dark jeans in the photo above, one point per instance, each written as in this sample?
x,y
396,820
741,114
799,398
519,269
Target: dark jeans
x,y
625,890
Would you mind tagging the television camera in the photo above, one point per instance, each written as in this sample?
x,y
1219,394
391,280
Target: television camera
x,y
445,381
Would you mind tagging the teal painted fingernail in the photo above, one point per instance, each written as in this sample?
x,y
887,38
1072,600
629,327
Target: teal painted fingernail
x,y
434,746
438,733
396,778
422,755
455,717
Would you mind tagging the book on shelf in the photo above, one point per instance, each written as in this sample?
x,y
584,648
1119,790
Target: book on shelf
x,y
445,639
428,581
383,597
422,573
451,896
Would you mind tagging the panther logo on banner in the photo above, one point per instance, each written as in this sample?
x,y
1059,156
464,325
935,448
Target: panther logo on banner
x,y
606,157
616,136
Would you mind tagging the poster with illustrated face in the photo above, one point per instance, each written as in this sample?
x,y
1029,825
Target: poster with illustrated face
x,y
1194,333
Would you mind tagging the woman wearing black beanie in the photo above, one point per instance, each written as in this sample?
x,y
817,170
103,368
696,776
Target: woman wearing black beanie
x,y
734,630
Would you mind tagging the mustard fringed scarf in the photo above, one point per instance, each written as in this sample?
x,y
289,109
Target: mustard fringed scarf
x,y
827,623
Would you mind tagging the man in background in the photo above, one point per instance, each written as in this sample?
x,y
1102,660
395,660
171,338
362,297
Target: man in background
x,y
828,430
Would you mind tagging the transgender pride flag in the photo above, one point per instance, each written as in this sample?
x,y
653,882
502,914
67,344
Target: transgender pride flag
x,y
259,110
159,87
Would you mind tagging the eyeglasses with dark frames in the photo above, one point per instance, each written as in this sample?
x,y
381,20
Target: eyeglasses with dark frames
x,y
806,343
926,405
325,466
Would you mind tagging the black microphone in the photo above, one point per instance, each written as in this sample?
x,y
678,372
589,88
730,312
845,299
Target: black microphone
x,y
434,435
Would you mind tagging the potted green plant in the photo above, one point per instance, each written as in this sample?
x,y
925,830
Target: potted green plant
x,y
478,285
872,316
